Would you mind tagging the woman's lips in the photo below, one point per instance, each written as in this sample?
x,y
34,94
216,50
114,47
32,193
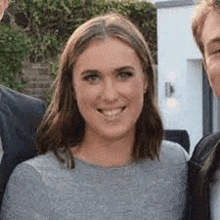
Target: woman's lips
x,y
111,113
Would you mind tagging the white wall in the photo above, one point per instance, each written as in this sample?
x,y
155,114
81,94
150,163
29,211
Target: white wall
x,y
179,56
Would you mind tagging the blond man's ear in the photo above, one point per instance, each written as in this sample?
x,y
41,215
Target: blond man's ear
x,y
3,6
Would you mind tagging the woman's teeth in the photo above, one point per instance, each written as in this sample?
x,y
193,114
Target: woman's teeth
x,y
113,112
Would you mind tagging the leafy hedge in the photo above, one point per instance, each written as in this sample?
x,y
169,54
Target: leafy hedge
x,y
13,50
48,24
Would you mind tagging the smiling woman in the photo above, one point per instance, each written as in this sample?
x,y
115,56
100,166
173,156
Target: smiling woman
x,y
90,86
104,126
109,94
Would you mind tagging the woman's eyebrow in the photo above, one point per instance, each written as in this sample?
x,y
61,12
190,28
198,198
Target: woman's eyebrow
x,y
94,71
90,71
124,68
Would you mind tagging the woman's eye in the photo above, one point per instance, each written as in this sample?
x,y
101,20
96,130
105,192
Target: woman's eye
x,y
92,79
125,75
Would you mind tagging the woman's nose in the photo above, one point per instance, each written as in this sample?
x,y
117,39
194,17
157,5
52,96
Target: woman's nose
x,y
110,91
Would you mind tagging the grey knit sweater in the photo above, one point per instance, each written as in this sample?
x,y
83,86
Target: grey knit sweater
x,y
42,188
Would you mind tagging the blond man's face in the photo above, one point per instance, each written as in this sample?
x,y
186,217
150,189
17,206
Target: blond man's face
x,y
211,42
3,6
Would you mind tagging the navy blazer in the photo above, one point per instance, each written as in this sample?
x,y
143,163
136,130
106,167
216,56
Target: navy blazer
x,y
178,136
199,194
19,117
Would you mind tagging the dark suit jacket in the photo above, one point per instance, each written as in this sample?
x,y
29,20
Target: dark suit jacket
x,y
19,117
199,194
178,136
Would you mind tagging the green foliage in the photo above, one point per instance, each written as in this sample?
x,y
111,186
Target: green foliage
x,y
47,24
13,50
53,68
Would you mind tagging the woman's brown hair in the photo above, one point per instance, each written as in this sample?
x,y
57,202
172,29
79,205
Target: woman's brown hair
x,y
63,127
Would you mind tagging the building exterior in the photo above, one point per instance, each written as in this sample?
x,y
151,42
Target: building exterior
x,y
184,96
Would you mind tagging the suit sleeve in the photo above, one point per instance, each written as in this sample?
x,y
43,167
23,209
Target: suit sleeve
x,y
19,117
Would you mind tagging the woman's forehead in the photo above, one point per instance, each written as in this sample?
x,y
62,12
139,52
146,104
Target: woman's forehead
x,y
4,3
3,6
109,51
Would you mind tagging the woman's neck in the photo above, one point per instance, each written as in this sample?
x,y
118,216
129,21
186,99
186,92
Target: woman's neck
x,y
105,152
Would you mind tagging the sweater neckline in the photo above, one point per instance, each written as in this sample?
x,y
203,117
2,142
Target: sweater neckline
x,y
98,166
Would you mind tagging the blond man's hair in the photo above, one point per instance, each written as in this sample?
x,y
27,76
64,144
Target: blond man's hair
x,y
203,8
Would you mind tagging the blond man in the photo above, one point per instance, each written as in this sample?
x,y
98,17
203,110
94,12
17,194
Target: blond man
x,y
204,166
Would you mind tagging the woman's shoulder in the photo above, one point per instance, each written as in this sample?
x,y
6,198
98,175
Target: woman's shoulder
x,y
173,153
40,163
39,171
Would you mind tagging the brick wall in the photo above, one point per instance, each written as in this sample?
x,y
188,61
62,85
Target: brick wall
x,y
39,80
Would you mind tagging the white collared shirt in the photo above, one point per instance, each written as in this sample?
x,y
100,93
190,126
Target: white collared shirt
x,y
215,197
1,149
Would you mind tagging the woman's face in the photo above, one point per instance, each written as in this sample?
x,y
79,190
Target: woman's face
x,y
109,89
